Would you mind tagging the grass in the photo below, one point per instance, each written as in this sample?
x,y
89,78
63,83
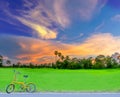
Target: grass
x,y
53,80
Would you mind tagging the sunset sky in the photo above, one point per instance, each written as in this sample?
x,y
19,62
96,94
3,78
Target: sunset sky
x,y
31,30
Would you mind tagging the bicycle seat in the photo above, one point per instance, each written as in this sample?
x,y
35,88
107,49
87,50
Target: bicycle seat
x,y
25,76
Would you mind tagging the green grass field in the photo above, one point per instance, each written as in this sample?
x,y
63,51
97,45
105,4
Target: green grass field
x,y
54,80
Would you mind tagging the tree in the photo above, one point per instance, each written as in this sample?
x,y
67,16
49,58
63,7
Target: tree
x,y
100,57
1,60
31,65
114,63
89,63
100,62
67,58
86,63
18,64
56,53
59,55
8,62
62,57
109,62
59,64
65,64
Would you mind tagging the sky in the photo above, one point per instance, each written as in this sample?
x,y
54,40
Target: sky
x,y
31,30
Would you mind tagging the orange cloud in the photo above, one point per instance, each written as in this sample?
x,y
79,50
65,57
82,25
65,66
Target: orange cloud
x,y
102,43
94,45
42,51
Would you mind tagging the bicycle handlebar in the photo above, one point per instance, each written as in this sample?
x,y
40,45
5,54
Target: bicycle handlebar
x,y
17,72
25,76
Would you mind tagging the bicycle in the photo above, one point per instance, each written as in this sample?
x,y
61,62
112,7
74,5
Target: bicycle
x,y
28,87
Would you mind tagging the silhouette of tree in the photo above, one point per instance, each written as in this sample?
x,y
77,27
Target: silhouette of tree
x,y
62,57
100,61
56,53
8,62
1,60
59,55
18,64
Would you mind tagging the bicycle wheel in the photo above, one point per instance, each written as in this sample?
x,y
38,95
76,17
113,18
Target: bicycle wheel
x,y
31,88
10,88
22,88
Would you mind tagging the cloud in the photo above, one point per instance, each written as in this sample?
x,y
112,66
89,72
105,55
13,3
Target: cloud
x,y
37,16
39,19
26,49
81,34
100,44
42,31
86,10
47,12
99,26
54,14
116,18
61,13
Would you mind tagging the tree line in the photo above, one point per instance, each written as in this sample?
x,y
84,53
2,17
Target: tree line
x,y
99,62
65,62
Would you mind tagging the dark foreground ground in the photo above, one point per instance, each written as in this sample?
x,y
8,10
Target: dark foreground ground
x,y
60,95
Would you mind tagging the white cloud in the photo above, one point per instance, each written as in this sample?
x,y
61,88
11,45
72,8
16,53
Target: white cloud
x,y
81,34
99,26
38,17
58,12
42,31
54,11
85,9
45,18
61,13
116,18
103,43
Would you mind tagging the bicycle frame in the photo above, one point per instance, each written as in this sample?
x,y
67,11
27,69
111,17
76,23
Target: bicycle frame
x,y
15,75
18,82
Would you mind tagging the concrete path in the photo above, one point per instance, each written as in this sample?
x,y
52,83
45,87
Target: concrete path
x,y
60,95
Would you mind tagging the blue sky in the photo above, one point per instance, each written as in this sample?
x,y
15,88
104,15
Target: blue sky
x,y
31,30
